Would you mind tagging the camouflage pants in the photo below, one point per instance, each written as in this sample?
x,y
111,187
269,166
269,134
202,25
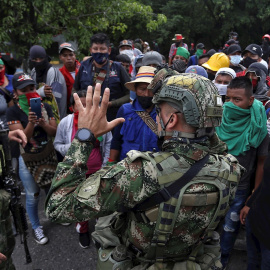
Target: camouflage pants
x,y
7,240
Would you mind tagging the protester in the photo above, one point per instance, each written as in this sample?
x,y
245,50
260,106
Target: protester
x,y
257,74
197,70
146,47
180,60
70,68
124,60
203,59
215,62
222,80
98,69
65,134
50,81
243,129
38,161
234,53
178,38
252,54
152,59
193,60
138,131
5,102
266,49
125,47
255,217
5,79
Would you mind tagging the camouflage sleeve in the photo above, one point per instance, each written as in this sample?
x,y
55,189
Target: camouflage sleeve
x,y
74,198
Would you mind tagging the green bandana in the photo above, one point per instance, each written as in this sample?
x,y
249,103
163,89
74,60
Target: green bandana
x,y
1,62
199,52
23,102
242,128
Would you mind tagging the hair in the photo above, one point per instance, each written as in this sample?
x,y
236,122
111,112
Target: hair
x,y
122,58
243,83
81,93
204,56
100,38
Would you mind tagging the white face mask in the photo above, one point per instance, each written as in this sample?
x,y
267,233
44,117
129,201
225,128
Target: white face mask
x,y
222,88
129,53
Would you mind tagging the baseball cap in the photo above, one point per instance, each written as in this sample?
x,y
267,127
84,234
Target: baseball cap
x,y
254,49
152,58
233,49
200,46
228,71
21,80
67,46
125,43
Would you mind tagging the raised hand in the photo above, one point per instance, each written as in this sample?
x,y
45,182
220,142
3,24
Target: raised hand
x,y
93,116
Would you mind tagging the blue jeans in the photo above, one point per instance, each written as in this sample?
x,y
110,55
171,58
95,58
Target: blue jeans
x,y
258,254
32,193
231,225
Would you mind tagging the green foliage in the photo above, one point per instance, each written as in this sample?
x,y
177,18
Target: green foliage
x,y
28,22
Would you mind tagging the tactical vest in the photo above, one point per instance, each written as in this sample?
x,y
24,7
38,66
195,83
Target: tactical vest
x,y
205,253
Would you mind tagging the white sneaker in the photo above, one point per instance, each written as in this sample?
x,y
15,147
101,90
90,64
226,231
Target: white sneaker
x,y
39,236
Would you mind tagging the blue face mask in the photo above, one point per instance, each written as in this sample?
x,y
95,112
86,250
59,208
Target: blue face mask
x,y
100,58
235,59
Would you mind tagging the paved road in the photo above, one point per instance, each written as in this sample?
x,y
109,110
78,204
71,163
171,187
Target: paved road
x,y
63,252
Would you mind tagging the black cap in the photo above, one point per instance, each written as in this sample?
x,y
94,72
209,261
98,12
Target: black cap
x,y
254,49
21,80
211,52
233,49
200,46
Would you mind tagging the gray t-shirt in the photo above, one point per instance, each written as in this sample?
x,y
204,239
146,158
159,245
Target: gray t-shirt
x,y
248,161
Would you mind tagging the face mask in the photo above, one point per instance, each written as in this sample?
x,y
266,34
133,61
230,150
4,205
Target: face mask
x,y
179,65
254,84
211,76
100,58
145,102
177,44
199,52
2,76
40,66
129,53
235,59
222,88
246,62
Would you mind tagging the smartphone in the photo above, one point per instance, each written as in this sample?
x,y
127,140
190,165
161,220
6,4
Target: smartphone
x,y
35,104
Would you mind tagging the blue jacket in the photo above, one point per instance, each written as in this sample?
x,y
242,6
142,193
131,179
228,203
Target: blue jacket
x,y
133,134
193,60
115,79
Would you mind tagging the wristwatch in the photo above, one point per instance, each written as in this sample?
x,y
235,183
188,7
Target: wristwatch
x,y
85,135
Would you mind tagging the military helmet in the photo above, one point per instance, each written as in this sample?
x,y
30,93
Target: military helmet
x,y
195,96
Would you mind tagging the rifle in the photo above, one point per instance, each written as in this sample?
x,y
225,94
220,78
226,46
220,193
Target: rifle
x,y
9,179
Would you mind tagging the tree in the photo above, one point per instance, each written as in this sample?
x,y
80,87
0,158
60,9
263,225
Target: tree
x,y
28,22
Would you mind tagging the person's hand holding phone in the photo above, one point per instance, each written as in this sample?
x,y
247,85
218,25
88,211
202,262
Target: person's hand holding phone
x,y
32,117
48,91
41,122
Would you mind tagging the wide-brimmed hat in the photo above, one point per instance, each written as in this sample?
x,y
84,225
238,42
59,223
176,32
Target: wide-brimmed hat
x,y
145,75
178,37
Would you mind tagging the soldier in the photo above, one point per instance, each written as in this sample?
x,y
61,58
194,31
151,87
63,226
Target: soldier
x,y
7,240
170,210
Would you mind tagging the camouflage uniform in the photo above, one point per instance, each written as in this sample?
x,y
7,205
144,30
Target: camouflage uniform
x,y
7,239
131,181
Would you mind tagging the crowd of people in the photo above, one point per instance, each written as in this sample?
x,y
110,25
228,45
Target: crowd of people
x,y
200,102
